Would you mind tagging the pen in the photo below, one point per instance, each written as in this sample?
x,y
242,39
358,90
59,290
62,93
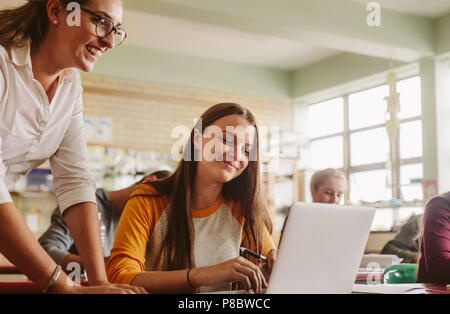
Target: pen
x,y
254,254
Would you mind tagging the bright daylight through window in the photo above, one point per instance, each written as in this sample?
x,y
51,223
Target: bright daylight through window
x,y
349,133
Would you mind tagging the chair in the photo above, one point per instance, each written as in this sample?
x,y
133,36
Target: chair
x,y
400,273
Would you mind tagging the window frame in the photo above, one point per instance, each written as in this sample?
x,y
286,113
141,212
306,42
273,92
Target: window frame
x,y
346,135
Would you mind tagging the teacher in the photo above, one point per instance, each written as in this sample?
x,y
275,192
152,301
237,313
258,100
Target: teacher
x,y
43,43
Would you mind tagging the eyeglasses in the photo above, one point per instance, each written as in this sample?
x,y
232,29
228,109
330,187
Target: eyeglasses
x,y
105,26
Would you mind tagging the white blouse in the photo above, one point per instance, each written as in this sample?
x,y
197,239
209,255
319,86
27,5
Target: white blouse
x,y
32,130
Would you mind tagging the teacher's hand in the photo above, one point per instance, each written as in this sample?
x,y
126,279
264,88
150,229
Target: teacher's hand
x,y
108,288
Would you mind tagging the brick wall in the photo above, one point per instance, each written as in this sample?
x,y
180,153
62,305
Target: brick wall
x,y
143,114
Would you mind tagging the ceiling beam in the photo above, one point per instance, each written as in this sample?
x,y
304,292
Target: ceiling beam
x,y
340,25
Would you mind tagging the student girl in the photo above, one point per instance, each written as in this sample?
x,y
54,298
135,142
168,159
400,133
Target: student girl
x,y
183,233
41,118
327,186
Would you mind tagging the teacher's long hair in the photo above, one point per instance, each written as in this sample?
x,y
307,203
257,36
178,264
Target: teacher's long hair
x,y
243,191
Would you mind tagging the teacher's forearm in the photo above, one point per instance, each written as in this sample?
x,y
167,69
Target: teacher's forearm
x,y
20,247
82,220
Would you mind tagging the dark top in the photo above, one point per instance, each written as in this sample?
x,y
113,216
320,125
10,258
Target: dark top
x,y
434,264
404,244
58,241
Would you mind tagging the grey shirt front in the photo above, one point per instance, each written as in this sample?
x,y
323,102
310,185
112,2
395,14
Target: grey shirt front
x,y
58,241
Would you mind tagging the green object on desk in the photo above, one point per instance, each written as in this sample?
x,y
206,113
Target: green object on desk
x,y
400,273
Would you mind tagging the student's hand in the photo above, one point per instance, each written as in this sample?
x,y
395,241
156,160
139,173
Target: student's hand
x,y
267,267
237,269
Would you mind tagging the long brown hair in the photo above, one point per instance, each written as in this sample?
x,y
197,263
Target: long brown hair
x,y
244,191
28,22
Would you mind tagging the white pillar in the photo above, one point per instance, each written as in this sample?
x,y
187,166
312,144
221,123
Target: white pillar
x,y
443,122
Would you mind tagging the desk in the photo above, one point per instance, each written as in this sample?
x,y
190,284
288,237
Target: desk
x,y
369,277
7,268
416,288
17,283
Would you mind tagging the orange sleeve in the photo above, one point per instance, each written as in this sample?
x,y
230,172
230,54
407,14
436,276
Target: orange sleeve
x,y
268,243
137,222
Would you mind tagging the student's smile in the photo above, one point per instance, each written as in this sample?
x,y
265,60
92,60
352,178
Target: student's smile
x,y
230,165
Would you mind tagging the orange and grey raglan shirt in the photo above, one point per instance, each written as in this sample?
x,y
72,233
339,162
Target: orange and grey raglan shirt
x,y
142,227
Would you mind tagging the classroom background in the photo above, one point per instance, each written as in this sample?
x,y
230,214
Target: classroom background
x,y
335,83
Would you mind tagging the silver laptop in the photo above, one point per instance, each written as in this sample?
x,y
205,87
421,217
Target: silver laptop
x,y
320,249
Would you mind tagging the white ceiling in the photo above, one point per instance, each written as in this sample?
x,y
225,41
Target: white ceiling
x,y
427,8
219,43
213,42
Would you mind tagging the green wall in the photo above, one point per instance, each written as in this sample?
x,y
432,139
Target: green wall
x,y
141,64
443,34
337,70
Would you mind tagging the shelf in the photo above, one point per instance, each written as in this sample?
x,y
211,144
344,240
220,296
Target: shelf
x,y
280,178
381,206
120,146
284,179
32,194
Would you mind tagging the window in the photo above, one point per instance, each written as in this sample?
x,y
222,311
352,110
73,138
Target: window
x,y
370,186
410,182
367,108
410,96
368,147
327,153
406,212
411,139
383,220
331,116
351,133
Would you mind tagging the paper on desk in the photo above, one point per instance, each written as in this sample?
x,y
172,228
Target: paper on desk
x,y
389,288
379,261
